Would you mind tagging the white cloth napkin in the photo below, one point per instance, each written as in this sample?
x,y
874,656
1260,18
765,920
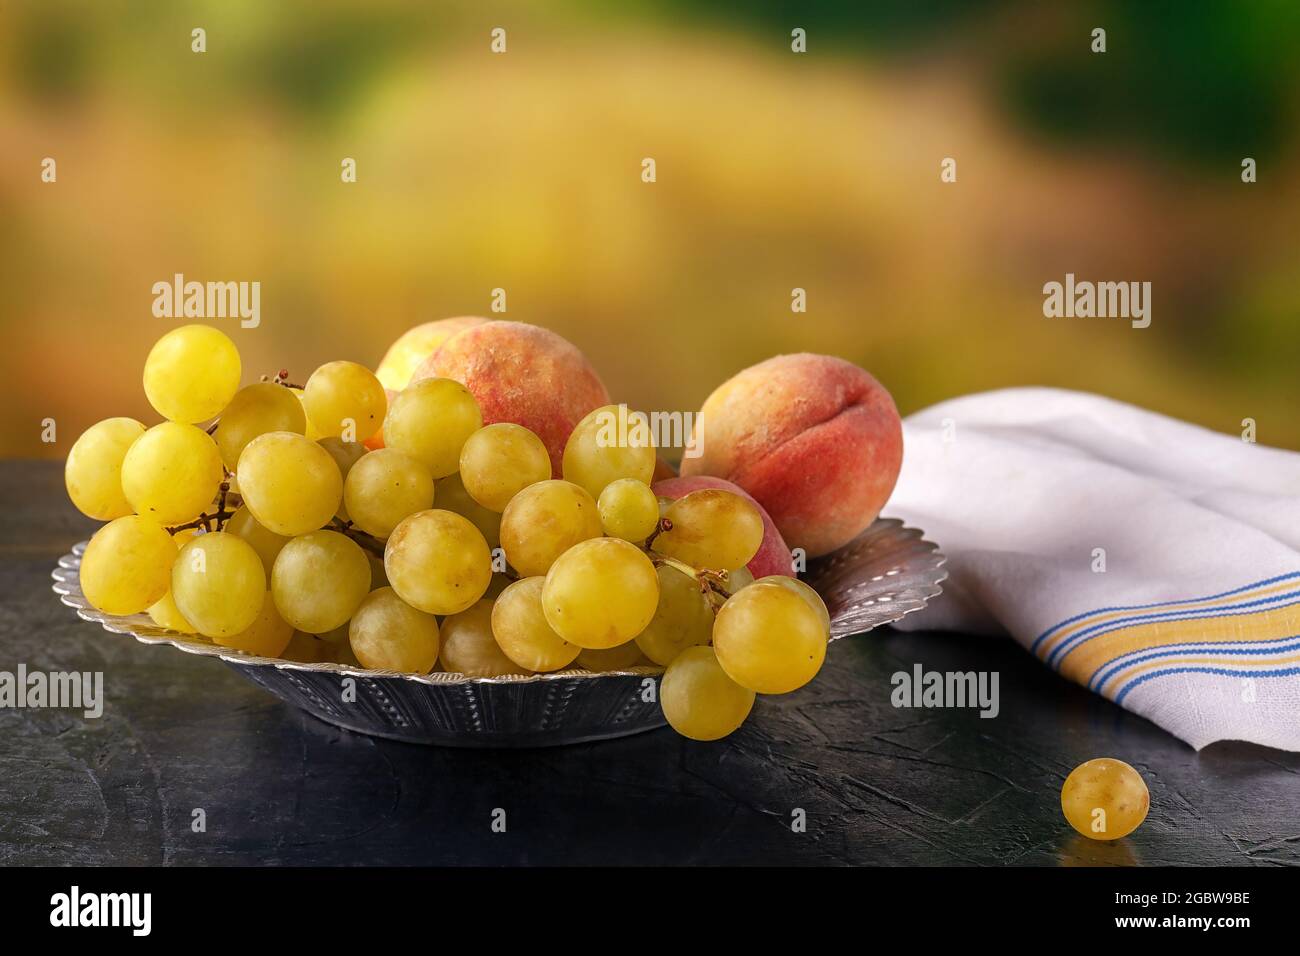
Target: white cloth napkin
x,y
1153,561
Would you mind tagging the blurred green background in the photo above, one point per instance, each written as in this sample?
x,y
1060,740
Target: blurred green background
x,y
775,170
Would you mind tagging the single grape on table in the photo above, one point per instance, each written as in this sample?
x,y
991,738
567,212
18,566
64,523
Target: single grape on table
x,y
1105,799
289,528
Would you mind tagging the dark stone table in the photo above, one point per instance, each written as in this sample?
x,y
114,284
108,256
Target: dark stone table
x,y
878,785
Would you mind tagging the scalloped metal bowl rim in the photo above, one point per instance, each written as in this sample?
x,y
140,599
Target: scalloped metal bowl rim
x,y
76,601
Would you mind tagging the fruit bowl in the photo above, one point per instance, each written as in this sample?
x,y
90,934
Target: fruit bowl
x,y
888,571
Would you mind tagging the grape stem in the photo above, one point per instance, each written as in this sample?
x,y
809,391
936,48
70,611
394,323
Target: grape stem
x,y
714,585
664,525
367,541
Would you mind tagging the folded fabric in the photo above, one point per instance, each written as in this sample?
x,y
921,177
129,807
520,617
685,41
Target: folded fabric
x,y
1155,562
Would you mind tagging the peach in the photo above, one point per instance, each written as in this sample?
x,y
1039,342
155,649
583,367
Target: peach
x,y
523,374
415,345
814,438
773,556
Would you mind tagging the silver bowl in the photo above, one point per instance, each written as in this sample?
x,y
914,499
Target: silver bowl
x,y
886,572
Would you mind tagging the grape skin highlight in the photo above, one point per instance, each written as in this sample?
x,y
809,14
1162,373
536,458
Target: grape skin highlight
x,y
93,471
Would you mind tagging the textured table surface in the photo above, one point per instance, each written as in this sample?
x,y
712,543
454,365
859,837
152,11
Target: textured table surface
x,y
877,785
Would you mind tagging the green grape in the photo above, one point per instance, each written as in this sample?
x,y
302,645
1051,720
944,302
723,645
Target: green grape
x,y
267,544
342,653
1105,799
166,614
218,584
311,431
319,580
383,488
431,421
617,658
191,374
499,461
256,410
545,520
628,510
698,698
610,443
171,473
127,566
267,636
600,593
519,624
93,473
337,635
711,528
387,634
452,496
469,647
438,562
683,617
804,591
344,398
289,483
769,638
345,455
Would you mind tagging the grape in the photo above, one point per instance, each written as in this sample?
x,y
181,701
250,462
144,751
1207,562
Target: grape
x,y
519,624
306,649
698,698
438,562
267,636
319,580
289,483
610,443
166,614
342,653
191,374
1105,799
267,544
127,566
378,576
628,510
171,473
804,591
383,488
311,431
600,593
337,635
501,460
431,421
344,398
452,496
256,410
345,455
93,473
388,634
713,529
769,638
739,578
618,658
218,584
683,618
469,648
545,520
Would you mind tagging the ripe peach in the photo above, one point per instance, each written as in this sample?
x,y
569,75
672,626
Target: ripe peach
x,y
773,555
815,439
415,345
523,374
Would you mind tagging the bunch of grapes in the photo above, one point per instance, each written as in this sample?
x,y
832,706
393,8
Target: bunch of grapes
x,y
328,523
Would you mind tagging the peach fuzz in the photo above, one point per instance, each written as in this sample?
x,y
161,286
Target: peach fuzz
x,y
523,374
814,438
415,345
773,555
